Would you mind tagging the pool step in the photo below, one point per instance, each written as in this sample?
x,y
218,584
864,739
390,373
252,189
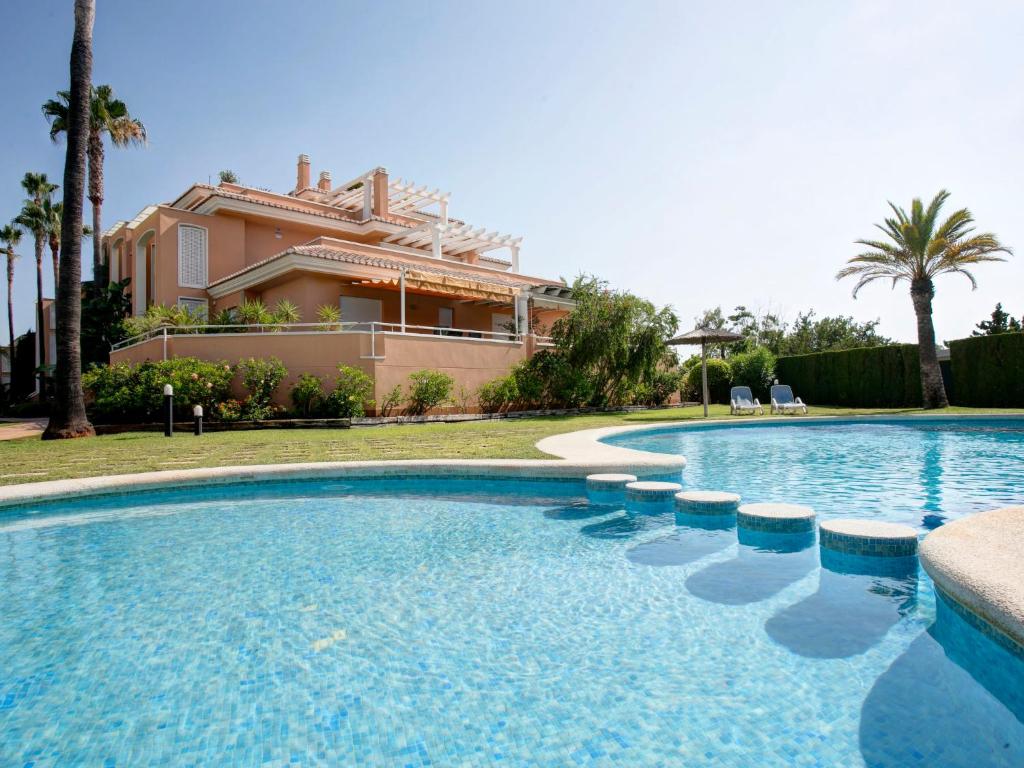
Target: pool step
x,y
872,538
652,490
776,518
610,481
707,502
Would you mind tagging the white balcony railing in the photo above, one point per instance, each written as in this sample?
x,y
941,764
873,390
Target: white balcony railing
x,y
372,329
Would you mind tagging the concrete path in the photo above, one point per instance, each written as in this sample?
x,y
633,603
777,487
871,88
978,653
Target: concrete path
x,y
12,429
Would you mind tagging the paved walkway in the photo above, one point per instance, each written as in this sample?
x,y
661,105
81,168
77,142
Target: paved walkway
x,y
12,429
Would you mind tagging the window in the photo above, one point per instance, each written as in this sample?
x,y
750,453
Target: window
x,y
199,306
191,256
361,311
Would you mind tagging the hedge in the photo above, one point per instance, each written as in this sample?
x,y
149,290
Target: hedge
x,y
988,371
871,377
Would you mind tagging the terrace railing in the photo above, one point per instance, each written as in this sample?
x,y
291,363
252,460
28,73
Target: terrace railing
x,y
371,328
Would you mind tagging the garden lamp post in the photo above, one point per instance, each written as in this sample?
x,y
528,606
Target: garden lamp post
x,y
168,410
705,336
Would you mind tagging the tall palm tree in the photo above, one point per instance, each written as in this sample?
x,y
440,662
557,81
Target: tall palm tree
x,y
67,418
53,212
919,249
10,236
108,116
33,217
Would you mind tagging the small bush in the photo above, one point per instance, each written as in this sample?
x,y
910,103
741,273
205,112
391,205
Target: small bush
x,y
659,389
754,369
352,391
428,389
261,378
228,410
719,381
308,395
391,400
497,394
129,392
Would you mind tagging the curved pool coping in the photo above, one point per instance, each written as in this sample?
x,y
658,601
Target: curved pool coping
x,y
577,454
976,561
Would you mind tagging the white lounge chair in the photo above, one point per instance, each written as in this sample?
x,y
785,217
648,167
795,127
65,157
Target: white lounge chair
x,y
784,402
742,400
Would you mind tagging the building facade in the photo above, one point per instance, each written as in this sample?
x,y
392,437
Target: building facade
x,y
415,288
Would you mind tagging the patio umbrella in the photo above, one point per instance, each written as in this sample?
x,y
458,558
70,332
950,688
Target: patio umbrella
x,y
705,336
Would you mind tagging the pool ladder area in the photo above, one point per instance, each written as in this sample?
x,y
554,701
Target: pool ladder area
x,y
866,540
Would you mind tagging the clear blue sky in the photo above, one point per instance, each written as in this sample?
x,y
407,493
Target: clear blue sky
x,y
698,154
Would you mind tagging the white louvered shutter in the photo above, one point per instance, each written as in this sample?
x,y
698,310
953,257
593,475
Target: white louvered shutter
x,y
191,256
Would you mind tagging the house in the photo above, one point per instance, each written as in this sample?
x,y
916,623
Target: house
x,y
415,287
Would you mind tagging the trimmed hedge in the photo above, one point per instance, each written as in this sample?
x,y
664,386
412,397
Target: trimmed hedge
x,y
871,377
988,371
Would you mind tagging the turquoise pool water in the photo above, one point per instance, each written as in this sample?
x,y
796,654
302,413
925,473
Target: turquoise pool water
x,y
472,623
916,472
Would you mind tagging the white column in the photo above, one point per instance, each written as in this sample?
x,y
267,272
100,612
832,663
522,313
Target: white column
x,y
515,258
401,296
444,211
368,197
515,314
436,241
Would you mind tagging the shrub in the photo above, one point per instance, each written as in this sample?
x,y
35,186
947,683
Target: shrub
x,y
659,389
754,369
352,391
391,400
428,389
128,392
228,410
988,371
308,395
719,380
330,316
261,378
497,394
872,377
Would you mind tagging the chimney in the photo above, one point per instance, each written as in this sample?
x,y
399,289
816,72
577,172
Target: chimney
x,y
325,181
380,192
302,173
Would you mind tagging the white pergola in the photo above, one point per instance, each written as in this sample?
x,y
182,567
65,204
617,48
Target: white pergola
x,y
450,239
404,197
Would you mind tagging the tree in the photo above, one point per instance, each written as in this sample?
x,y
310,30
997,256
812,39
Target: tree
x,y
1001,322
228,176
67,418
10,236
918,250
829,334
617,338
33,217
104,310
108,116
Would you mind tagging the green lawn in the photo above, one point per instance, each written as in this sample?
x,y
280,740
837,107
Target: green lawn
x,y
31,460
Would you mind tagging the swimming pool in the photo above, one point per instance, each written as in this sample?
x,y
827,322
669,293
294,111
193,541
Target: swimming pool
x,y
914,471
471,622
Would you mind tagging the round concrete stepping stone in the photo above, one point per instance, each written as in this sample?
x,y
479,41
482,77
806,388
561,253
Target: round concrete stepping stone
x,y
610,481
869,537
651,490
776,518
707,502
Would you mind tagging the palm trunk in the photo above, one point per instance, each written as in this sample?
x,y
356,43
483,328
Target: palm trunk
x,y
95,155
40,334
933,393
68,417
10,315
55,254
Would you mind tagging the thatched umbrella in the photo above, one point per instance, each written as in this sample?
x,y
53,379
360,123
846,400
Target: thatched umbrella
x,y
705,336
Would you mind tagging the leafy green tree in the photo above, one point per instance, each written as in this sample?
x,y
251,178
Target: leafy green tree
x,y
108,117
616,338
34,218
828,334
919,249
1001,322
104,311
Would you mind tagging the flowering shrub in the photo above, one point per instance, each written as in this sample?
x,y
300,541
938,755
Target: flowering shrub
x,y
129,392
428,389
229,410
308,395
261,378
351,394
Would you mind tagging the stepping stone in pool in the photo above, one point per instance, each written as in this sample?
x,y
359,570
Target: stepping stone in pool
x,y
694,537
765,564
859,599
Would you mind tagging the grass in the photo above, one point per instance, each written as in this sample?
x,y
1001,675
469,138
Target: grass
x,y
31,460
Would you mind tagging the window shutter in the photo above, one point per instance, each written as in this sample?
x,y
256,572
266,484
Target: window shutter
x,y
191,256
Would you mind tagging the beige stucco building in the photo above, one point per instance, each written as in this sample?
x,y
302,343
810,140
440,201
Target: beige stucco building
x,y
415,288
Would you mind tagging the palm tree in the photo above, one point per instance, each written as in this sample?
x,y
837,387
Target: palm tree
x,y
67,418
107,116
10,236
33,217
53,212
919,249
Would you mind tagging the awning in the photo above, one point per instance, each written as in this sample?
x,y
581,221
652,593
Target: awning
x,y
446,285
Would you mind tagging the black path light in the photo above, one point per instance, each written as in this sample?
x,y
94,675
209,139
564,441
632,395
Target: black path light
x,y
705,336
168,410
